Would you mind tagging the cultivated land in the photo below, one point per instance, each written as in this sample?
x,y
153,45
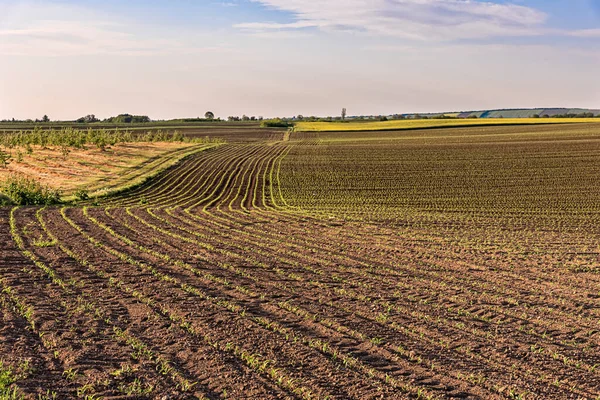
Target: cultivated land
x,y
441,263
431,123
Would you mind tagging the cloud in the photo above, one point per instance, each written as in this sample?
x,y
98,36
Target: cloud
x,y
54,29
413,19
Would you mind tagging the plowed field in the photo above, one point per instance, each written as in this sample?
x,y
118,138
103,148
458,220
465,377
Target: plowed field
x,y
451,263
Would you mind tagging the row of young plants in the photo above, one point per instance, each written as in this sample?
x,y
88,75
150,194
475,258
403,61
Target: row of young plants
x,y
106,323
460,312
225,303
244,291
428,174
168,183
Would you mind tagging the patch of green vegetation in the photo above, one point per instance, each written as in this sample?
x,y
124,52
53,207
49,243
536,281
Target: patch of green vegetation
x,y
7,379
5,200
70,137
23,191
44,243
82,195
275,123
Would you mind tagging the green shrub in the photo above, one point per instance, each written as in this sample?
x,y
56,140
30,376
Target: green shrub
x,y
275,123
5,201
24,191
82,195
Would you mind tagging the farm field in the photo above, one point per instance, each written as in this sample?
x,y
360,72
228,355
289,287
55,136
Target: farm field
x,y
431,123
460,262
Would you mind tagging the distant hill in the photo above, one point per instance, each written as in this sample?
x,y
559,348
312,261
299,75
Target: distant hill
x,y
515,113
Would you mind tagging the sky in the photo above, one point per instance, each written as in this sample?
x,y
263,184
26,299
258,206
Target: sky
x,y
181,58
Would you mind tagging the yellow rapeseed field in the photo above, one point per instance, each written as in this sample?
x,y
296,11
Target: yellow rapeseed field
x,y
430,123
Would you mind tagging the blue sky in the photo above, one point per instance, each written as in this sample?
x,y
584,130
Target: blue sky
x,y
173,58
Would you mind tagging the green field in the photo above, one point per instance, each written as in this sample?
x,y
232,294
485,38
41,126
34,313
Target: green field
x,y
535,170
430,123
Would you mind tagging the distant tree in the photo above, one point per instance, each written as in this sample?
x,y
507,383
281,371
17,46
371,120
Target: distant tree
x,y
343,113
245,118
300,117
88,119
209,115
45,118
535,116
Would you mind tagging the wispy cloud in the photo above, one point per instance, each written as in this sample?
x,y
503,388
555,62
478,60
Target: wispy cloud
x,y
413,19
55,29
585,33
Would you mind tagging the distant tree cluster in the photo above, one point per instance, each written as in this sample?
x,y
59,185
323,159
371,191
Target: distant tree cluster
x,y
276,123
243,118
45,118
128,119
88,119
187,120
569,115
